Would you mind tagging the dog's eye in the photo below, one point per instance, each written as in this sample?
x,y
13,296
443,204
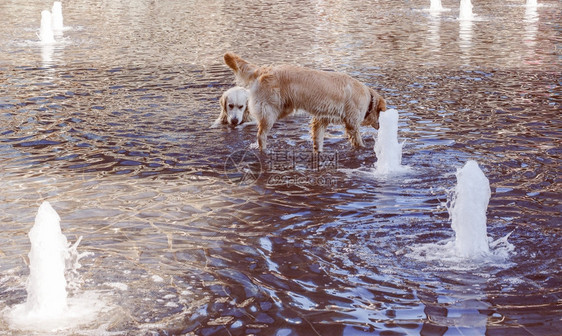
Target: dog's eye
x,y
230,106
240,106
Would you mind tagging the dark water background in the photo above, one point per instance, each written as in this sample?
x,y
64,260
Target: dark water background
x,y
111,126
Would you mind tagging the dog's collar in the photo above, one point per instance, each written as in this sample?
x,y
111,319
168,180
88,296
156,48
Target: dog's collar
x,y
370,106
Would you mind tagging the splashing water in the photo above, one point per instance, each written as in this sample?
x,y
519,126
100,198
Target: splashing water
x,y
468,211
435,5
387,147
57,20
466,10
471,247
46,34
47,307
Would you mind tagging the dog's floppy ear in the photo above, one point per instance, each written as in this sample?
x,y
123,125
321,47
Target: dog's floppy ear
x,y
377,104
381,104
223,115
247,117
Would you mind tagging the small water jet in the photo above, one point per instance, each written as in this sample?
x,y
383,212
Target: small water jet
x,y
435,6
48,307
466,10
46,34
468,211
57,20
470,247
387,147
46,288
531,3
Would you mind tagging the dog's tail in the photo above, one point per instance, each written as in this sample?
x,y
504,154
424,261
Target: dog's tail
x,y
234,61
244,71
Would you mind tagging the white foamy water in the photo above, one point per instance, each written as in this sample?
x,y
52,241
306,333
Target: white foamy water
x,y
467,212
466,10
57,19
532,3
444,254
48,307
387,147
46,34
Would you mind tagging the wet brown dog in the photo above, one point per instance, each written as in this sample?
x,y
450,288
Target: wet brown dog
x,y
330,97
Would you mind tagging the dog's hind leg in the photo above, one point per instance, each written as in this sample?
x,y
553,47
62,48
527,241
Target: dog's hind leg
x,y
317,129
264,126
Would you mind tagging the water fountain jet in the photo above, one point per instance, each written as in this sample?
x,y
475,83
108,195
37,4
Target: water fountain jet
x,y
531,3
46,34
48,307
470,247
46,285
57,20
468,211
435,6
466,10
387,148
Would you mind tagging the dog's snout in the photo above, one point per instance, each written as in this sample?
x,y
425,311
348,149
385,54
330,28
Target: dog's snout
x,y
234,121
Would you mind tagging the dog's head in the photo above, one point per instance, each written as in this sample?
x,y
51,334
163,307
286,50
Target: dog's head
x,y
234,106
376,105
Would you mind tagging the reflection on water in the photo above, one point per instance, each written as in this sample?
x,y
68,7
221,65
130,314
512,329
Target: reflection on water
x,y
111,126
531,21
434,27
465,39
47,52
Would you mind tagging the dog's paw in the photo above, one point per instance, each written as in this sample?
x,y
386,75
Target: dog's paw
x,y
255,145
248,123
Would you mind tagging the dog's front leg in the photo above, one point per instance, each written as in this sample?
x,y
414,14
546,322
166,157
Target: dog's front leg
x,y
216,123
354,136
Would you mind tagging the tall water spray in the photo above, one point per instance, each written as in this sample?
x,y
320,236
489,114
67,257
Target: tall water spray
x,y
468,211
466,10
532,3
48,307
46,34
57,20
46,285
435,5
46,288
471,246
387,147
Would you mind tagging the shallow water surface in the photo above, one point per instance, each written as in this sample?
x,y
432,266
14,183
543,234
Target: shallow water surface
x,y
111,126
